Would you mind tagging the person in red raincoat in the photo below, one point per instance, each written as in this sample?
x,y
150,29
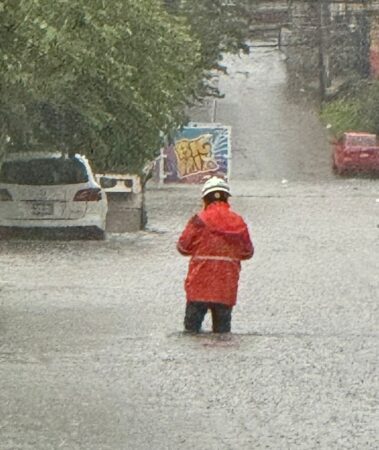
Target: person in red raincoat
x,y
216,239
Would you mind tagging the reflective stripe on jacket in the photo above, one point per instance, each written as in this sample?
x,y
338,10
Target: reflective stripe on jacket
x,y
217,239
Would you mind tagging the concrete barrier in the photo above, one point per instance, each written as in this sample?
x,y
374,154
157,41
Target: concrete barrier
x,y
126,205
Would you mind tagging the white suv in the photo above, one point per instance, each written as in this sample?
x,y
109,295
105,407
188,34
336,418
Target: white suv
x,y
47,194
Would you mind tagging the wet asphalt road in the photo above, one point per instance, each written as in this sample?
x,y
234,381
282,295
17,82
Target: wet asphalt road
x,y
91,350
273,138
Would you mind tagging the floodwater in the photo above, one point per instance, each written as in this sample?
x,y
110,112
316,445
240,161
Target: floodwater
x,y
273,137
92,353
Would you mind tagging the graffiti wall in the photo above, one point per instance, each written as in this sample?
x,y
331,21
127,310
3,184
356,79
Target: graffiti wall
x,y
196,152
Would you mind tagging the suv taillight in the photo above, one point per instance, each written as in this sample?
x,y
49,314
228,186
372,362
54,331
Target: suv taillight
x,y
5,196
88,195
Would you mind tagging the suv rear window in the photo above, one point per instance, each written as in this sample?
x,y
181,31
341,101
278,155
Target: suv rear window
x,y
44,172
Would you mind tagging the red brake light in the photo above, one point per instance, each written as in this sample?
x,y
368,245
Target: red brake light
x,y
5,196
88,195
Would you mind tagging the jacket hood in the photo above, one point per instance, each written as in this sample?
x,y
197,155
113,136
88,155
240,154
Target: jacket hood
x,y
219,217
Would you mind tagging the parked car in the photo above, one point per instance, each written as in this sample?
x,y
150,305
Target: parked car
x,y
356,152
50,195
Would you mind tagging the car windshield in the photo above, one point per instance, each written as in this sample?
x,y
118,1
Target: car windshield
x,y
44,172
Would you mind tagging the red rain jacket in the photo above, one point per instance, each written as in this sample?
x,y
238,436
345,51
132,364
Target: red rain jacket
x,y
217,239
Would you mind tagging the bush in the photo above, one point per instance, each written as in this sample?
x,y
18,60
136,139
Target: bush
x,y
356,109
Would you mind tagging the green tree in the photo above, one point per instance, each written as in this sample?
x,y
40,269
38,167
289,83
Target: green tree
x,y
103,78
220,26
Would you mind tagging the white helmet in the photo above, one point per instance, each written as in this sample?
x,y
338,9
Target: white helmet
x,y
215,184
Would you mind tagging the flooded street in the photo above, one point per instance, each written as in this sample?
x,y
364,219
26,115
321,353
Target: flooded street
x,y
274,138
92,354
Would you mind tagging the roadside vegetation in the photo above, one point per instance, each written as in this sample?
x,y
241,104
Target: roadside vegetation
x,y
108,79
355,109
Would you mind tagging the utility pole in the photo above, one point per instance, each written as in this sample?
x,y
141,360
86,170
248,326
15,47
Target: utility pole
x,y
321,47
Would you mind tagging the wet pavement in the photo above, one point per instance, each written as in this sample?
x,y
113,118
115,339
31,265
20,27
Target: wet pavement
x,y
273,138
92,354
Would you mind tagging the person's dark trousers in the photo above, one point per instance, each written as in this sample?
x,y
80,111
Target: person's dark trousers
x,y
195,312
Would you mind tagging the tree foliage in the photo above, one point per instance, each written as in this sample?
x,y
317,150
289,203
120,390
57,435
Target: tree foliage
x,y
107,78
219,25
103,78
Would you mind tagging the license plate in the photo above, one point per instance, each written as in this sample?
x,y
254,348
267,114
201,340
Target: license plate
x,y
42,208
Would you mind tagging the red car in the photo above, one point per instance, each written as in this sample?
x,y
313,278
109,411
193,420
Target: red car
x,y
356,152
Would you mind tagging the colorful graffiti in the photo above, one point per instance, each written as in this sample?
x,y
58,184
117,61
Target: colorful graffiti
x,y
195,155
197,151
